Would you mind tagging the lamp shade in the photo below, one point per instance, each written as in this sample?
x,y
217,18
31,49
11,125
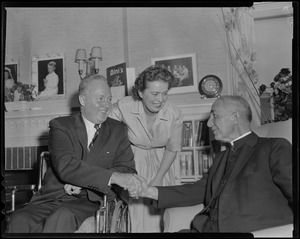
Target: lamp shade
x,y
80,55
96,53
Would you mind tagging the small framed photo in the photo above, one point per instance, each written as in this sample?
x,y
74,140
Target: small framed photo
x,y
49,76
184,69
11,72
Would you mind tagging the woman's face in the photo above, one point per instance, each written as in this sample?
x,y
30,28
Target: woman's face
x,y
50,69
6,75
155,95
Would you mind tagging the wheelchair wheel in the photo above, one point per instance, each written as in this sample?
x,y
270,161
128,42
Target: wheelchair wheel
x,y
120,221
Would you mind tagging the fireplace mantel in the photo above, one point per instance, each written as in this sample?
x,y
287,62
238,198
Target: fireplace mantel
x,y
30,127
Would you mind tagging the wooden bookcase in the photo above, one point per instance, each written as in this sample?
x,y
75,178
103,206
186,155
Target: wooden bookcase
x,y
198,144
196,155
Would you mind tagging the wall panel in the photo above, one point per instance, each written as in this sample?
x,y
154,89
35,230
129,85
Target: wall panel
x,y
158,32
38,31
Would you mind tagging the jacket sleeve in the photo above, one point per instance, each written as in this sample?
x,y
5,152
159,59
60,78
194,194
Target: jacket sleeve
x,y
281,167
182,195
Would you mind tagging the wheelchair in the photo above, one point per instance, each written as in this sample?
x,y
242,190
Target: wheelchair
x,y
111,217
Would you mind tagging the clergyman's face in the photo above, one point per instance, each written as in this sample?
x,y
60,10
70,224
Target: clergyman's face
x,y
96,101
155,95
221,123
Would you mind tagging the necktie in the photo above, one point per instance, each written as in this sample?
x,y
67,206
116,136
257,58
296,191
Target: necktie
x,y
97,127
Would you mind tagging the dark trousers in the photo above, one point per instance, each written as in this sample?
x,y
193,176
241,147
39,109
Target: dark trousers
x,y
55,216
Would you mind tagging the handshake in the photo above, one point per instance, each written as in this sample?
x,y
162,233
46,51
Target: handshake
x,y
136,185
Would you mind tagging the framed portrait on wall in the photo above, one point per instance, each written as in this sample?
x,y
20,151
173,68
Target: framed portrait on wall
x,y
184,69
49,76
11,72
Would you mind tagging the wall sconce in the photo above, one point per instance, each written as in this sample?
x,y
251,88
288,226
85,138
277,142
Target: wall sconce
x,y
96,55
92,62
80,58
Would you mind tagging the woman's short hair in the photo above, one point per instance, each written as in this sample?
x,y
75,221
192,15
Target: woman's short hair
x,y
52,63
150,74
6,69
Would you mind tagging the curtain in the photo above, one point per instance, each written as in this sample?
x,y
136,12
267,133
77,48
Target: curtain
x,y
239,27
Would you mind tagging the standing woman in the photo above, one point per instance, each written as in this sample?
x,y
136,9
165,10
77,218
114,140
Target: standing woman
x,y
51,81
154,130
9,80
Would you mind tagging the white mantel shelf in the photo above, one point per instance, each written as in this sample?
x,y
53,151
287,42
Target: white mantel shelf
x,y
30,127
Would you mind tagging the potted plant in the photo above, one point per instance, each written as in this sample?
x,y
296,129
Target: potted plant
x,y
281,88
19,95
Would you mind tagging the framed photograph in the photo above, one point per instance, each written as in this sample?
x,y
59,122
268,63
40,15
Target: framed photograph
x,y
11,71
49,76
184,69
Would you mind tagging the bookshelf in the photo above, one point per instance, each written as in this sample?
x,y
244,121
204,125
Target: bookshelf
x,y
198,144
196,155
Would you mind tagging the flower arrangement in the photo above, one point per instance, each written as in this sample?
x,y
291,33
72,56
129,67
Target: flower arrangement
x,y
281,90
20,92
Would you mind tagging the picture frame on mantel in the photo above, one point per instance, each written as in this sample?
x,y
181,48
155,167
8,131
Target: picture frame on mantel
x,y
13,70
49,76
184,69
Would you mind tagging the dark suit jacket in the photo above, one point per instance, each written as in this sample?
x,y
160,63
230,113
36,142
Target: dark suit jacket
x,y
257,195
73,164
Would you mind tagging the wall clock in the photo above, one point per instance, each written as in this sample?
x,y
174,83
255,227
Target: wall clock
x,y
210,86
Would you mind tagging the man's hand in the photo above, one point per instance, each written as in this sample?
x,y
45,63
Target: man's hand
x,y
72,190
126,181
144,189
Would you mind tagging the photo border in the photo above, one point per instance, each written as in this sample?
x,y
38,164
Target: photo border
x,y
12,61
35,73
182,89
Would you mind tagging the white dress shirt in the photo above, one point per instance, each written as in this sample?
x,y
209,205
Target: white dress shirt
x,y
90,130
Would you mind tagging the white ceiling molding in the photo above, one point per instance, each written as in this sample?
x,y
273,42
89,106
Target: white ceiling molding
x,y
268,10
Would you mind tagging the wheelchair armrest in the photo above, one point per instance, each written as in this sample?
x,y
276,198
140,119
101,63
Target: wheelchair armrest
x,y
18,188
178,218
29,187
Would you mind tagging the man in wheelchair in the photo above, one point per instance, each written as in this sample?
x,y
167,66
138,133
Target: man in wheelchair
x,y
88,150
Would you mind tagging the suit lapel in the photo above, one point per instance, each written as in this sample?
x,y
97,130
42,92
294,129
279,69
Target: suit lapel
x,y
247,151
81,132
100,141
212,172
244,156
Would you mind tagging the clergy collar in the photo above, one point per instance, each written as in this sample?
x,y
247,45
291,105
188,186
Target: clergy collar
x,y
242,136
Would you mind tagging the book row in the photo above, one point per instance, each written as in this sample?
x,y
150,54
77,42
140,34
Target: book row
x,y
190,166
199,136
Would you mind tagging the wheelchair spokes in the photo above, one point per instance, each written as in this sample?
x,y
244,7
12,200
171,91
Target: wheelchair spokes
x,y
113,217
